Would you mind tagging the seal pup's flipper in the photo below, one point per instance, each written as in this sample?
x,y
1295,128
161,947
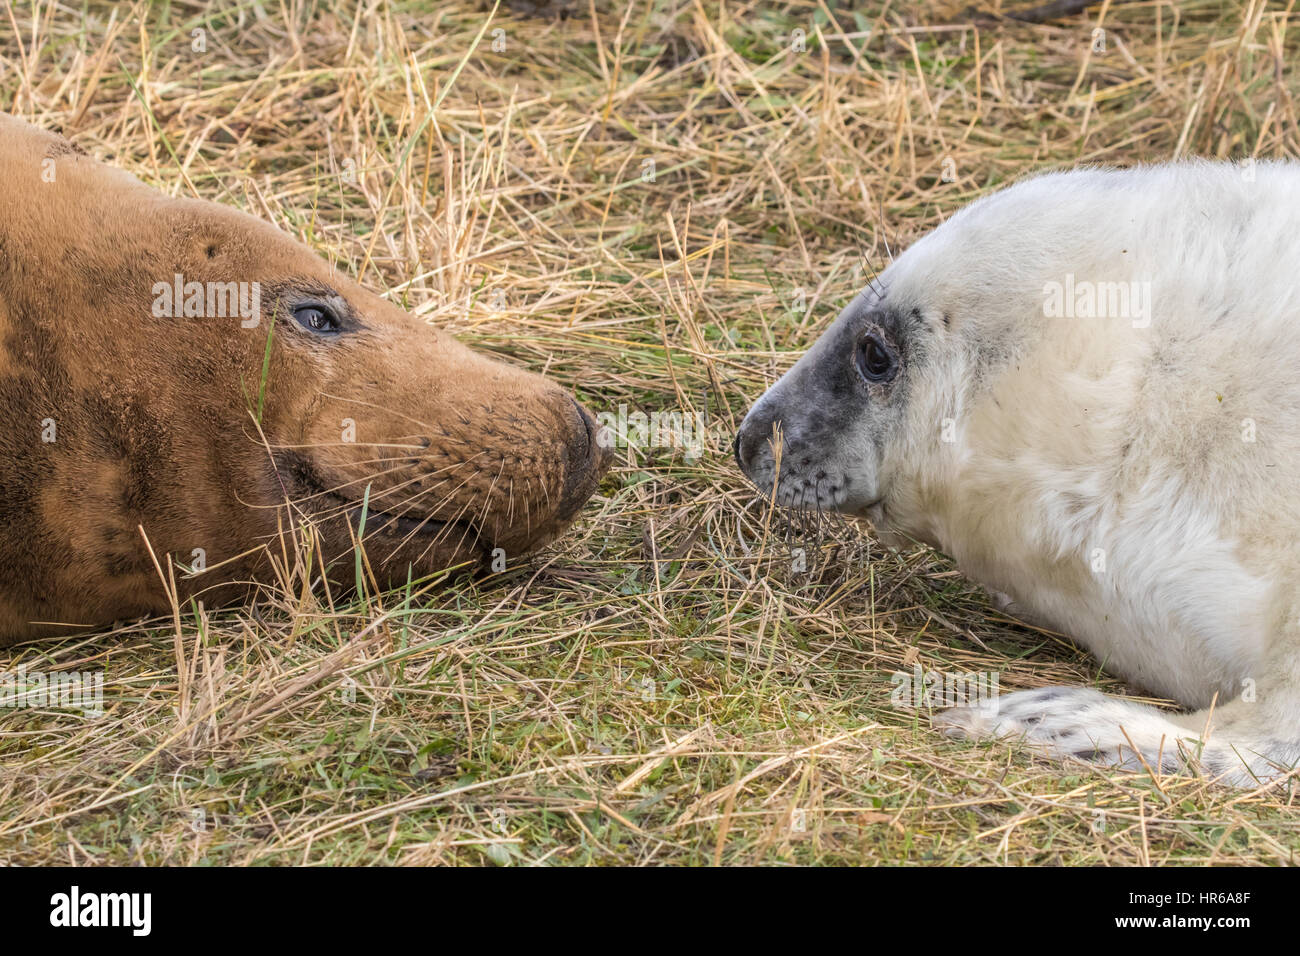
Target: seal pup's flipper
x,y
1247,742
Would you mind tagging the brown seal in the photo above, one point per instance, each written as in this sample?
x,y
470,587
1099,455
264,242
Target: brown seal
x,y
181,377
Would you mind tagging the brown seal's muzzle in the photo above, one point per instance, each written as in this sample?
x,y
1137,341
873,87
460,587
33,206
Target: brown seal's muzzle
x,y
468,458
182,372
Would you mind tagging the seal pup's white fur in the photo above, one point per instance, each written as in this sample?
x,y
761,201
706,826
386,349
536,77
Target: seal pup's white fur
x,y
1125,474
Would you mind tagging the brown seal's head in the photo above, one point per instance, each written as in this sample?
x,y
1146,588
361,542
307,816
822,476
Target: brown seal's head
x,y
182,367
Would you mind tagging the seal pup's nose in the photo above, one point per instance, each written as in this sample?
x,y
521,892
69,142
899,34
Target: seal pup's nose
x,y
754,432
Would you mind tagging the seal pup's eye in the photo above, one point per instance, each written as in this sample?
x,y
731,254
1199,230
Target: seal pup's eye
x,y
315,317
876,360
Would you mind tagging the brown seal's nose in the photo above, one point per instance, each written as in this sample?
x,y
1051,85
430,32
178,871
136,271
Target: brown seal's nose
x,y
589,457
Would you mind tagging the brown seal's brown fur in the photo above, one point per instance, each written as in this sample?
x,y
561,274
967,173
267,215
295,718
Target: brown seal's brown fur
x,y
117,419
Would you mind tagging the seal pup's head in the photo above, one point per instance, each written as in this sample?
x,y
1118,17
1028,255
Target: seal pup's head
x,y
885,411
840,420
182,367
836,421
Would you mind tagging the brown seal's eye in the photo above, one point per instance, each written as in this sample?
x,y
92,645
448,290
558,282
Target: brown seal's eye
x,y
315,317
876,360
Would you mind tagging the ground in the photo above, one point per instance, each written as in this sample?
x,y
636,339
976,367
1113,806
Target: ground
x,y
660,206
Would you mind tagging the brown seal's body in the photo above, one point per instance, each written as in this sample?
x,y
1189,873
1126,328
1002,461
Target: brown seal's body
x,y
128,406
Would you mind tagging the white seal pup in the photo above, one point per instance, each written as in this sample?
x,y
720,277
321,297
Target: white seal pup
x,y
1086,389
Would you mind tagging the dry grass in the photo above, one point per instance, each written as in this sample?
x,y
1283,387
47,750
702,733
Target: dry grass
x,y
661,686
